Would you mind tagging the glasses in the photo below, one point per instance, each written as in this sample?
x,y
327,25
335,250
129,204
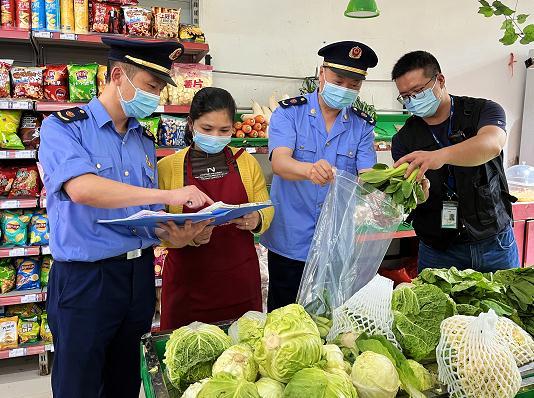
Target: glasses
x,y
417,94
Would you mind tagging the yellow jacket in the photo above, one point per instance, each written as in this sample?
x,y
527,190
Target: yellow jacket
x,y
171,176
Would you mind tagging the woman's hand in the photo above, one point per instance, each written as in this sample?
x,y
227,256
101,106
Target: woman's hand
x,y
180,236
203,237
249,222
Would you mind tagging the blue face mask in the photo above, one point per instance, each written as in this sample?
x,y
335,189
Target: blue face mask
x,y
337,97
425,103
209,143
142,104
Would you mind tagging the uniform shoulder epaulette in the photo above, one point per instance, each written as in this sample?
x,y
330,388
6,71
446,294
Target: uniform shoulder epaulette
x,y
364,115
300,100
71,115
148,134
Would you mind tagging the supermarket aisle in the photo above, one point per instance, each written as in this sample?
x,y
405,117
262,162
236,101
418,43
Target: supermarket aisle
x,y
19,378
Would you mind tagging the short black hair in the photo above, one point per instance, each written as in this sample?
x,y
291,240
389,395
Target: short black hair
x,y
209,99
129,69
416,60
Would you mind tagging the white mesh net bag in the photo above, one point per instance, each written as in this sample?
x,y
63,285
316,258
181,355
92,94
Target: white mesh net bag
x,y
520,342
367,311
474,361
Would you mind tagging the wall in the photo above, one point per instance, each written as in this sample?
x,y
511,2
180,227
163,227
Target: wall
x,y
281,37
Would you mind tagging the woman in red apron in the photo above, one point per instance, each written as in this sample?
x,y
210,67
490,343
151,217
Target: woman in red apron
x,y
215,278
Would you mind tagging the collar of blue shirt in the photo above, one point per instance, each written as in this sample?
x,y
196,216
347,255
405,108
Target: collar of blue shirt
x,y
102,117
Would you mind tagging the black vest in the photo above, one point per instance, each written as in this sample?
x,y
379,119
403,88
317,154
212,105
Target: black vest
x,y
484,204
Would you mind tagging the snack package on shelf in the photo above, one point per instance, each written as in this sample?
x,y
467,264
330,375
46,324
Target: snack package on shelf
x,y
24,310
53,17
23,14
9,124
172,131
38,15
39,229
5,84
56,83
14,228
27,82
46,266
160,253
9,337
29,132
138,21
81,16
27,183
166,22
8,275
67,15
28,329
191,33
151,124
7,16
44,331
105,18
101,78
82,82
189,78
28,273
164,96
7,177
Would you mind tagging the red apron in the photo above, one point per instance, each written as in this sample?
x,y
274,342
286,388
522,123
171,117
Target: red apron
x,y
218,281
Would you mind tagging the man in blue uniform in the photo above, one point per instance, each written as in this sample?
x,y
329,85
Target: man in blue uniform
x,y
308,136
100,163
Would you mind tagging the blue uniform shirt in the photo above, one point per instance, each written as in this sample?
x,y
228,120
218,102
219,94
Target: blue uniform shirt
x,y
348,146
93,146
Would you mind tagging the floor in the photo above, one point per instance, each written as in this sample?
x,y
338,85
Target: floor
x,y
19,378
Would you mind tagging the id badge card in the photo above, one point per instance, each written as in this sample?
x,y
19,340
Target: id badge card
x,y
449,215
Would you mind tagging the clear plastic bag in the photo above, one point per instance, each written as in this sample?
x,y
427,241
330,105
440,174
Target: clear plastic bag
x,y
352,236
473,359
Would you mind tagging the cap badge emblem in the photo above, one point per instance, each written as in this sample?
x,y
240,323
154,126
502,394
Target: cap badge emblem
x,y
355,53
175,54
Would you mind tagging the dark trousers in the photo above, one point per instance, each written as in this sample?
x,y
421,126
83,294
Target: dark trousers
x,y
284,280
97,313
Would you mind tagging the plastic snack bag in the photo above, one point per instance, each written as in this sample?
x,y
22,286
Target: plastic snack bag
x,y
46,266
9,337
56,83
166,22
5,84
82,82
30,127
44,332
172,131
189,78
26,182
138,21
28,272
28,330
151,124
27,82
15,229
7,276
9,124
7,177
352,236
39,230
101,78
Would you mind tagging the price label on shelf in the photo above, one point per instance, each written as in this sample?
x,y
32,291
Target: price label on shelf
x,y
45,250
67,36
10,204
42,35
49,347
4,104
24,105
251,150
17,352
17,252
29,298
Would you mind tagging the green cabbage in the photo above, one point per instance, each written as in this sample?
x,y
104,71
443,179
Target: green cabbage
x,y
238,360
417,315
269,388
224,385
248,329
316,383
375,376
334,361
193,390
191,351
425,381
347,342
291,342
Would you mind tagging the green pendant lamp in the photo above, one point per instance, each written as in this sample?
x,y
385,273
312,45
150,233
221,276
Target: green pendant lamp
x,y
362,9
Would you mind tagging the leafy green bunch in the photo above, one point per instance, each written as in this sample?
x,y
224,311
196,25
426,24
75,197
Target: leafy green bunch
x,y
513,25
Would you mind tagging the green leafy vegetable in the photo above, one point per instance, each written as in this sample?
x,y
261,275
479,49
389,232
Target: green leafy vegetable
x,y
418,312
375,376
191,351
248,329
238,360
316,383
269,388
225,385
291,342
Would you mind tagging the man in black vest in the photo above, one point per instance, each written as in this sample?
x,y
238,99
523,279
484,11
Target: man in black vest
x,y
457,143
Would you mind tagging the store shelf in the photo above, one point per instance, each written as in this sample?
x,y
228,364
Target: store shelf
x,y
16,104
19,251
22,351
18,203
18,154
14,34
23,297
43,106
174,109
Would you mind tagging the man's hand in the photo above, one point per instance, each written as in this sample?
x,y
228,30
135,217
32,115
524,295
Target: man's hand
x,y
425,160
203,237
249,222
321,172
425,185
180,236
189,196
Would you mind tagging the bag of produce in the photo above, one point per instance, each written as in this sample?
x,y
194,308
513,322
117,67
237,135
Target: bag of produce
x,y
474,361
353,233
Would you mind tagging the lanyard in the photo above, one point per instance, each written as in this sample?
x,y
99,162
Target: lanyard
x,y
451,182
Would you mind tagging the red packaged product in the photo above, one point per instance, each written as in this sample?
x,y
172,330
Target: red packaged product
x,y
7,176
7,16
119,2
105,18
27,82
23,14
56,83
138,21
26,182
5,85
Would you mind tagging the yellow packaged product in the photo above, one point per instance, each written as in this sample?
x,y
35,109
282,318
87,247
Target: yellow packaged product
x,y
8,333
28,330
46,334
67,16
81,16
